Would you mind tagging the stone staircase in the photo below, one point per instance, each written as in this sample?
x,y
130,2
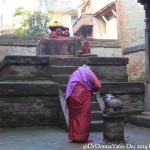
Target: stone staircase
x,y
96,123
97,120
61,70
52,73
111,72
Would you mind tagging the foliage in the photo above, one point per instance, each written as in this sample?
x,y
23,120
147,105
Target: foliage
x,y
19,11
20,32
37,23
33,24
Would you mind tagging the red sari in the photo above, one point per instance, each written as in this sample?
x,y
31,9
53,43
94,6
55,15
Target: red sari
x,y
78,98
79,106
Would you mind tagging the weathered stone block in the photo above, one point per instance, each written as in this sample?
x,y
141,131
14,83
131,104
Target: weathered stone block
x,y
60,46
28,103
113,128
24,68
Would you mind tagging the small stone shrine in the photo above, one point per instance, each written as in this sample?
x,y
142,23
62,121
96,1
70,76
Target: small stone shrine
x,y
113,119
59,42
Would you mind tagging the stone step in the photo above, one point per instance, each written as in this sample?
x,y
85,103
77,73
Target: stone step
x,y
62,69
93,98
95,106
96,115
28,88
61,79
68,61
140,120
97,126
118,88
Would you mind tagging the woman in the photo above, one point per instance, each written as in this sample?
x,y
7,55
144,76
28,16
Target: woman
x,y
78,99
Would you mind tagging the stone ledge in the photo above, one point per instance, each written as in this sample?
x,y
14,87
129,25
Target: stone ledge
x,y
90,60
118,88
134,49
140,120
18,41
19,59
106,43
108,60
122,88
28,88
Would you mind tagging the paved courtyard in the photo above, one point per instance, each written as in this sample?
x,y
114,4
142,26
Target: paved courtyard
x,y
53,138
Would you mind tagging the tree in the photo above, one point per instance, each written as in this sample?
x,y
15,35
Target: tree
x,y
33,24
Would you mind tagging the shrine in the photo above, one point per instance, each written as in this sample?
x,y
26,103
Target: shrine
x,y
59,42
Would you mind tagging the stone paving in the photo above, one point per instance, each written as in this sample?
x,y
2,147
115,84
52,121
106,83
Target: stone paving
x,y
53,138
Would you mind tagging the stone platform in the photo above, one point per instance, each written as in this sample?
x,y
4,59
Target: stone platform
x,y
30,84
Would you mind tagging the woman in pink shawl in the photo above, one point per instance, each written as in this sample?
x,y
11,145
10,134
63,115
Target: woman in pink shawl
x,y
79,90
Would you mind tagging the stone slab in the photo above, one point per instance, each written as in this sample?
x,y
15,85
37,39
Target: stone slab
x,y
140,120
28,88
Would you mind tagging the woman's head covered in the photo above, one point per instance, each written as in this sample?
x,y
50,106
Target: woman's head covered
x,y
89,67
86,66
82,75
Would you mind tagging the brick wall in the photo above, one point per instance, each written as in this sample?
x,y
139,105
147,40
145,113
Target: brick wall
x,y
131,25
136,66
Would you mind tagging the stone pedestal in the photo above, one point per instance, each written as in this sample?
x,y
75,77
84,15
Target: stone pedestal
x,y
113,128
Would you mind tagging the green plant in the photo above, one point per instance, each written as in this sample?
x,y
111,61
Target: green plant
x,y
20,32
33,24
19,11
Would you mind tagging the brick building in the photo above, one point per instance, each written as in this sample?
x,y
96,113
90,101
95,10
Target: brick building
x,y
97,21
130,22
131,26
121,20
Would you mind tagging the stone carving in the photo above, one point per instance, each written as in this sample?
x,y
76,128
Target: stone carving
x,y
59,30
111,102
66,33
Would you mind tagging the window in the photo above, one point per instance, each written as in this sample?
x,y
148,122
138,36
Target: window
x,y
73,19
